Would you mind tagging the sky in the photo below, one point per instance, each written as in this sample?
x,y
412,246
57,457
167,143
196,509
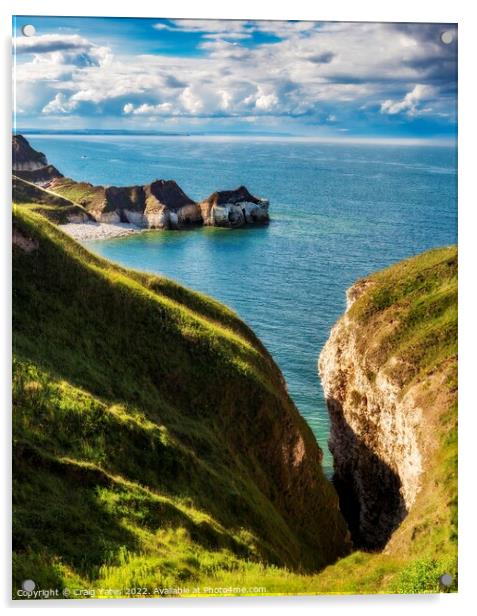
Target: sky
x,y
301,78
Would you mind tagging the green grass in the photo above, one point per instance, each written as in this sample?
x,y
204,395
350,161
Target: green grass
x,y
51,205
79,192
413,308
150,429
155,425
405,324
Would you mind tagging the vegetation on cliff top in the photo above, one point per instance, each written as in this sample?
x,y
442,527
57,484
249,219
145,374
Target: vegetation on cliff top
x,y
56,208
410,312
407,319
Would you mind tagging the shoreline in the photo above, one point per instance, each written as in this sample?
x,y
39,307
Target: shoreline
x,y
88,231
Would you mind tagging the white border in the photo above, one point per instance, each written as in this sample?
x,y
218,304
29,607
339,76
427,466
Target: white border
x,y
451,11
339,10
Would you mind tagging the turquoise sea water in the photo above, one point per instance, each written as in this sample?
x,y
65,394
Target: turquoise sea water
x,y
338,212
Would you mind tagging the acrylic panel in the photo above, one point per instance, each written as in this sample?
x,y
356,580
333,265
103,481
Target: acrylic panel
x,y
235,308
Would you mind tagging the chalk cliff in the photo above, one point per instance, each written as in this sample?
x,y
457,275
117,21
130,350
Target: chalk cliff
x,y
388,373
29,164
162,204
233,208
159,205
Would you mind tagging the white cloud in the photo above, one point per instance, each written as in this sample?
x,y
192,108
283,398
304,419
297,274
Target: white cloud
x,y
59,105
314,69
236,28
209,26
192,100
48,43
410,103
227,35
265,102
149,110
227,99
285,29
66,49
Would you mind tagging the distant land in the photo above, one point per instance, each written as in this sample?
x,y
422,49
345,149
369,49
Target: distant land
x,y
158,133
445,140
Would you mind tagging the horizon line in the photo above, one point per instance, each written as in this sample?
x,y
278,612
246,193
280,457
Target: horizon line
x,y
336,139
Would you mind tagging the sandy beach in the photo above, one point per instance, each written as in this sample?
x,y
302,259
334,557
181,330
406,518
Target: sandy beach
x,y
99,230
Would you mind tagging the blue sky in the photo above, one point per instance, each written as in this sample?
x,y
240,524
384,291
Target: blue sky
x,y
340,80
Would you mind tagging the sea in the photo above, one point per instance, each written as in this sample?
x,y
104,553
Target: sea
x,y
338,212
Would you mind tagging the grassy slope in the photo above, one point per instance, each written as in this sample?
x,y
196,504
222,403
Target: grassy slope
x,y
79,192
49,204
149,431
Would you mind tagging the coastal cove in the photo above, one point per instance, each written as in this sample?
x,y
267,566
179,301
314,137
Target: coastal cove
x,y
337,213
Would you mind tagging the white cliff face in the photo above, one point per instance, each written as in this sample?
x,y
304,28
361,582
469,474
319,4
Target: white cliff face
x,y
256,212
189,215
228,215
159,205
374,435
157,216
234,214
107,217
135,218
29,165
152,217
157,219
26,159
78,217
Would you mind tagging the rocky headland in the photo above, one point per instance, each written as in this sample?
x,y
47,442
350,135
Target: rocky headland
x,y
389,375
29,164
162,204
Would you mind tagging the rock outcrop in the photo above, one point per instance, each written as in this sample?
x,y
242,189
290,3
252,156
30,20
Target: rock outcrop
x,y
29,164
377,463
233,208
382,397
159,205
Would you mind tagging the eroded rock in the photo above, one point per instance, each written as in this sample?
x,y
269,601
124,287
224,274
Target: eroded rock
x,y
159,205
373,438
234,208
29,164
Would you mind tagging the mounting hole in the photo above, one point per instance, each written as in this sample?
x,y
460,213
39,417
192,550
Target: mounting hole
x,y
29,30
28,585
447,37
446,579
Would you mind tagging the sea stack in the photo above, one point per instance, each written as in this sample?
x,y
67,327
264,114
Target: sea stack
x,y
234,208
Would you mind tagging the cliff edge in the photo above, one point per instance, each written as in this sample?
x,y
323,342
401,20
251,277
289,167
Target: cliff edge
x,y
29,164
389,375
